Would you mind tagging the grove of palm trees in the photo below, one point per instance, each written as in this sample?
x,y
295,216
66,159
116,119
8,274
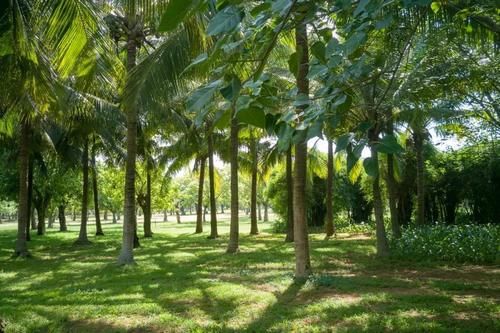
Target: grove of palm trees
x,y
249,166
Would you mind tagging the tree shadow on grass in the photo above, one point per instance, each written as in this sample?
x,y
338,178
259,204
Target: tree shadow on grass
x,y
69,279
274,312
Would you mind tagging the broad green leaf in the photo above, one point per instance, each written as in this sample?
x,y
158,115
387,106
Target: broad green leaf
x,y
292,64
316,71
318,50
232,90
222,118
371,167
384,23
285,133
175,13
260,8
224,21
252,116
343,141
389,145
301,100
315,130
361,7
354,42
352,159
281,6
202,96
198,60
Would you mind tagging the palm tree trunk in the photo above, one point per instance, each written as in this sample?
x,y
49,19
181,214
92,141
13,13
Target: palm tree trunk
x,y
52,218
289,184
82,237
233,245
391,187
266,213
391,182
419,146
211,176
30,199
329,227
301,237
97,213
126,256
32,216
148,233
62,218
21,248
199,207
254,229
382,243
41,212
178,215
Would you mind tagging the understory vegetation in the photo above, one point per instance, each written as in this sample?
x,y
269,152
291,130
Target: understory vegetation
x,y
461,243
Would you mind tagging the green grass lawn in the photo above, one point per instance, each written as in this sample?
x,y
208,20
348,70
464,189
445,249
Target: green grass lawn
x,y
186,283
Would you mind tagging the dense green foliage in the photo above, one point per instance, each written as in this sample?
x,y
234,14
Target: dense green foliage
x,y
461,243
463,185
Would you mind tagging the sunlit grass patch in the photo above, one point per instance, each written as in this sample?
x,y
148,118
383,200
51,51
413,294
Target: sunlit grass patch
x,y
184,282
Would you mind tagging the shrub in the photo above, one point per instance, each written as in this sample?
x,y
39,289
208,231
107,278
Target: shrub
x,y
341,225
463,243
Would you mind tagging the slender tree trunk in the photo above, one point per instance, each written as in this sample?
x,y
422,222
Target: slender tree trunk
x,y
266,213
259,211
52,218
382,243
105,217
199,207
82,237
30,199
178,215
329,227
137,243
148,233
289,185
254,229
301,237
62,218
41,210
211,178
114,218
32,216
391,187
165,216
74,214
233,245
391,183
419,146
126,256
21,248
97,213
